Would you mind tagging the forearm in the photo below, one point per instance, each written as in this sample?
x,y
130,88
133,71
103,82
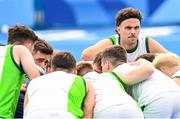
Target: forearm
x,y
88,113
89,102
88,55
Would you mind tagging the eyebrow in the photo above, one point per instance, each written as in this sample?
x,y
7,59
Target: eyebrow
x,y
132,27
40,59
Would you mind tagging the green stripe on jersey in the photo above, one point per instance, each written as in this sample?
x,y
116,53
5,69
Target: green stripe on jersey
x,y
113,39
121,83
147,44
176,77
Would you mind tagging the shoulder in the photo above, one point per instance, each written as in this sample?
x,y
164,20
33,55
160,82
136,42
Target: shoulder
x,y
105,42
156,47
90,75
113,39
176,74
144,42
20,49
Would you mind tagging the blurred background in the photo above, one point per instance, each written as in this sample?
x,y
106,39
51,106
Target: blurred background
x,y
73,25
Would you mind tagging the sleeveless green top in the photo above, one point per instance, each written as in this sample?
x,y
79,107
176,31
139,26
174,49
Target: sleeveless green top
x,y
11,77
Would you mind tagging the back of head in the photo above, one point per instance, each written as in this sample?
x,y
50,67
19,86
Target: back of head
x,y
43,47
127,13
97,63
115,54
64,61
167,60
83,68
20,34
148,56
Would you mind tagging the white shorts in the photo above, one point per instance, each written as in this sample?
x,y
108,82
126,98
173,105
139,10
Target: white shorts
x,y
166,106
49,114
128,111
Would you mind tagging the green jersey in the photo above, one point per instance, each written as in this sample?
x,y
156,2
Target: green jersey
x,y
11,77
56,90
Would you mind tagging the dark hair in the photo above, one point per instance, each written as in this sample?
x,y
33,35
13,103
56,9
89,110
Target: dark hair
x,y
127,13
97,61
20,34
148,56
42,46
115,54
64,60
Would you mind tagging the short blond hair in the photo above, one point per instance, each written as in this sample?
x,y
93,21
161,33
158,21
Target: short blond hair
x,y
166,60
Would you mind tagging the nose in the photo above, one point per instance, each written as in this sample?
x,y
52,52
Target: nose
x,y
42,65
133,31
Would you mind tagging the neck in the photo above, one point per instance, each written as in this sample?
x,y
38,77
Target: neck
x,y
120,63
174,70
62,69
171,70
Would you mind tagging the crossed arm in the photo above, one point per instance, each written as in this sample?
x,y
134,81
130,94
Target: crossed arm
x,y
143,69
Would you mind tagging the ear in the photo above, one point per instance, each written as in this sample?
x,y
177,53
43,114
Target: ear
x,y
118,29
51,70
74,71
32,48
48,70
109,65
28,45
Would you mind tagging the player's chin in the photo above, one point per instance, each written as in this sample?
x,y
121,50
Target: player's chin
x,y
133,39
